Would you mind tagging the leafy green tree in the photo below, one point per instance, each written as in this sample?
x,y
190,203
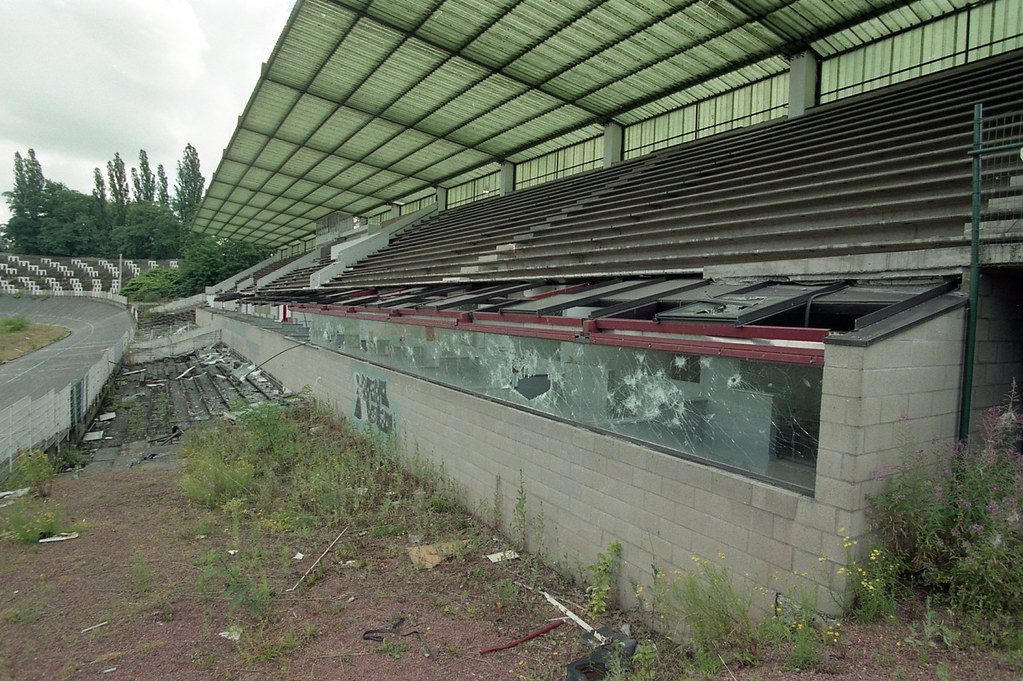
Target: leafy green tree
x,y
207,261
25,201
159,283
69,223
99,190
143,180
189,187
120,194
150,231
162,196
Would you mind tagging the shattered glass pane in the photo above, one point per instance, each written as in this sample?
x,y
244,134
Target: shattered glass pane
x,y
750,415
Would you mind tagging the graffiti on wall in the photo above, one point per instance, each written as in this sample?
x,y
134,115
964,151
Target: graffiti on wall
x,y
371,403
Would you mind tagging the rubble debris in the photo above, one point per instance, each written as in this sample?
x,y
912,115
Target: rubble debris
x,y
184,373
109,416
93,436
63,536
7,498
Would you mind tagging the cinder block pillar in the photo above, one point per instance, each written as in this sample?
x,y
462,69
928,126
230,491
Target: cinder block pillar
x,y
442,198
507,177
614,137
803,76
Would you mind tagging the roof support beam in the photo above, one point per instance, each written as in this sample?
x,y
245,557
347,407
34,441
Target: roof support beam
x,y
803,82
507,179
614,143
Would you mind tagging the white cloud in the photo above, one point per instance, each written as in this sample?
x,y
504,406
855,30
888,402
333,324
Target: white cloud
x,y
83,79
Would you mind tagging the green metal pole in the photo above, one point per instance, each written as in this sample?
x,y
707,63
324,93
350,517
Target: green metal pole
x,y
969,352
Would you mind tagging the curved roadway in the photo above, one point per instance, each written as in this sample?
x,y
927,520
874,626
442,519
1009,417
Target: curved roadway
x,y
95,326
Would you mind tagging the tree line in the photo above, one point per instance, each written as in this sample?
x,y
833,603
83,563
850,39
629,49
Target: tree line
x,y
139,218
131,213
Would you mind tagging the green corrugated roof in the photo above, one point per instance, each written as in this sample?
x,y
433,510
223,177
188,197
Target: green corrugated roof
x,y
365,102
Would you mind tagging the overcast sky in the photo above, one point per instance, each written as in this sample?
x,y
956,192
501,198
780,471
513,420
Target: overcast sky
x,y
82,79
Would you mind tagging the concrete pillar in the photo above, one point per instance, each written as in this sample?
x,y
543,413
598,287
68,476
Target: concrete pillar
x,y
442,198
614,143
507,178
395,211
803,75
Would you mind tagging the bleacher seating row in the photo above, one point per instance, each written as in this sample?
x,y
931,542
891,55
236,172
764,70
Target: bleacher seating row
x,y
884,172
39,275
887,171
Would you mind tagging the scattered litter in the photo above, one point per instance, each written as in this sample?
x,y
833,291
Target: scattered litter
x,y
349,563
378,635
350,599
298,556
93,436
552,625
129,373
415,538
232,633
108,670
627,629
7,498
231,552
96,626
316,430
502,555
599,663
200,536
109,416
154,385
317,561
602,638
432,555
361,491
63,536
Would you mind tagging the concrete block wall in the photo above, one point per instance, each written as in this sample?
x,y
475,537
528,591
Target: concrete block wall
x,y
594,488
999,358
878,403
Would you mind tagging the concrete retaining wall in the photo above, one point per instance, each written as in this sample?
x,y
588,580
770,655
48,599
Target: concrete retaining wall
x,y
173,346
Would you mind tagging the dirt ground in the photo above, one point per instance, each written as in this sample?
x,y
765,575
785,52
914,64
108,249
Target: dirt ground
x,y
131,598
136,570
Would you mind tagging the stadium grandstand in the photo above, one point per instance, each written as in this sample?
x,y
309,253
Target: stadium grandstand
x,y
692,273
38,275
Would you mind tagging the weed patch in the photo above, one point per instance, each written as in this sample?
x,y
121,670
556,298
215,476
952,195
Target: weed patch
x,y
951,522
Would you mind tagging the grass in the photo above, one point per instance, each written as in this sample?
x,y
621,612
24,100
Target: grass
x,y
18,337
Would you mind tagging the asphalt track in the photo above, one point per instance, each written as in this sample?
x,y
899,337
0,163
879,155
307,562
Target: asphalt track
x,y
95,326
